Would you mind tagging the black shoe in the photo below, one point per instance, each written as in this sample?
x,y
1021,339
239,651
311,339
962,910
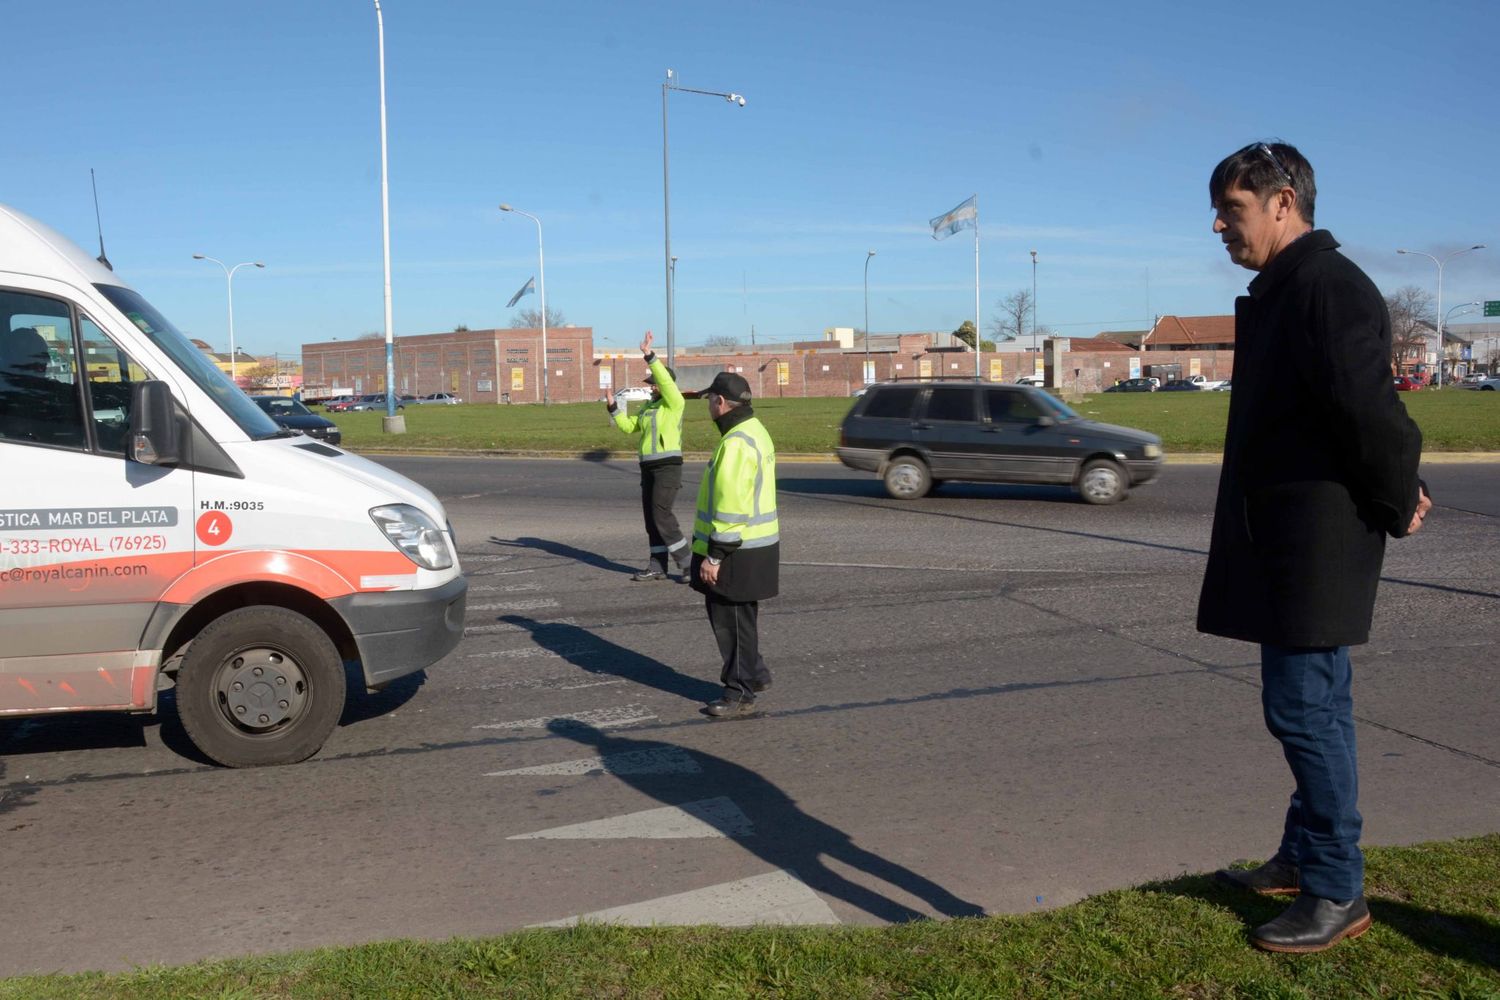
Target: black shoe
x,y
650,573
721,708
758,688
1274,878
684,574
1313,924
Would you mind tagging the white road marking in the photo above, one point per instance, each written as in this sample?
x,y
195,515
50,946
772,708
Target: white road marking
x,y
959,569
531,653
527,605
665,760
600,718
515,588
505,627
485,558
716,817
775,898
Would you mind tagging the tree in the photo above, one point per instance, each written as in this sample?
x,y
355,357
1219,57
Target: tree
x,y
261,376
1411,310
461,328
372,335
531,319
1014,319
965,332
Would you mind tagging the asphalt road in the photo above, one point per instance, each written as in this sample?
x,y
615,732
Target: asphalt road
x,y
992,699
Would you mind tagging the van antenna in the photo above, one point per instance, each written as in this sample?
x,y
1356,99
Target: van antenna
x,y
102,259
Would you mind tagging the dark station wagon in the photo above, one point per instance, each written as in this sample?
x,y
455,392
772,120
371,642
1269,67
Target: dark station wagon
x,y
916,435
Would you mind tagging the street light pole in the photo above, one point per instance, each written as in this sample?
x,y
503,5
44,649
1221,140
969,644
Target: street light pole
x,y
391,423
1034,344
1440,263
666,195
541,261
229,282
867,376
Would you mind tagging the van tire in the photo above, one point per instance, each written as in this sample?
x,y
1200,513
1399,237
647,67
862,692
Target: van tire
x,y
1102,482
907,477
261,685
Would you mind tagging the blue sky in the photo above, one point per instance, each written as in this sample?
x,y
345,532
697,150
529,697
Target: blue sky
x,y
251,132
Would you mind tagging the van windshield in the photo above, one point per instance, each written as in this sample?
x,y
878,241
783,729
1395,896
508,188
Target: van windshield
x,y
192,362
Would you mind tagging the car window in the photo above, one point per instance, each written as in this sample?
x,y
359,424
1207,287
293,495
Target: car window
x,y
951,402
1011,406
896,401
39,399
110,373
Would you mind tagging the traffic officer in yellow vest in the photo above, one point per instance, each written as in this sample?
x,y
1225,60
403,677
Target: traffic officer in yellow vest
x,y
737,541
659,425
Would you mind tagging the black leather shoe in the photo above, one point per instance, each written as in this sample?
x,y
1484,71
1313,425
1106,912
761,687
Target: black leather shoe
x,y
723,708
649,573
1274,878
1313,924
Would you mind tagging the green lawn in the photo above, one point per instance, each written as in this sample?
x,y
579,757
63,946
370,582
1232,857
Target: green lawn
x,y
1436,934
1451,420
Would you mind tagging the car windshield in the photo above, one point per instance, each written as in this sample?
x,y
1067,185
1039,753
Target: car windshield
x,y
282,406
192,362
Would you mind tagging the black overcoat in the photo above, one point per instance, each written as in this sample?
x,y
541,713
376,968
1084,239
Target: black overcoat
x,y
1320,457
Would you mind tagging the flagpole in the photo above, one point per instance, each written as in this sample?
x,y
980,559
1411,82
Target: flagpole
x,y
976,287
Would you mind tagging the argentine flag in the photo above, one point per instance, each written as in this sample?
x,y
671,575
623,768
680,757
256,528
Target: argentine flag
x,y
965,216
526,289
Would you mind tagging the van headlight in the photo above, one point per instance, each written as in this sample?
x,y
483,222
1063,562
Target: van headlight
x,y
414,534
1152,451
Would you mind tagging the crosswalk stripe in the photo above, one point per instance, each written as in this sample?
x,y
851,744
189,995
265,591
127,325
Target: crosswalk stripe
x,y
662,760
505,627
716,817
600,718
778,897
526,605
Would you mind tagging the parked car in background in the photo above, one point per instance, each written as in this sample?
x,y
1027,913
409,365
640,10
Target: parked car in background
x,y
1134,385
633,394
1223,386
1181,385
1037,381
292,415
376,401
915,436
338,403
1488,384
1204,382
438,399
1406,383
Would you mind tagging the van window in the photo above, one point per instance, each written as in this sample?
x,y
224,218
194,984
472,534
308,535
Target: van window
x,y
897,401
951,402
39,399
110,372
191,362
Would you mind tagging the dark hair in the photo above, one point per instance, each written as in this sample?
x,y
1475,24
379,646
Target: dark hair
x,y
1265,168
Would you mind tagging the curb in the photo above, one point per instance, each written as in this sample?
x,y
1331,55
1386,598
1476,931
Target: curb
x,y
1172,458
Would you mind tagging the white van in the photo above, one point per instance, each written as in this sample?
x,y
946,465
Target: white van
x,y
157,526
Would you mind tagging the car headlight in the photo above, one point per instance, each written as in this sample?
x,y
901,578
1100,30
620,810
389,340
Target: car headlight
x,y
1152,451
414,534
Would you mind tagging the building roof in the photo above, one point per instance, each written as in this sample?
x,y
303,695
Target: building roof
x,y
1098,345
1192,331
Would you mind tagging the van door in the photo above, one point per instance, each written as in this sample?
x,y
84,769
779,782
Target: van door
x,y
88,539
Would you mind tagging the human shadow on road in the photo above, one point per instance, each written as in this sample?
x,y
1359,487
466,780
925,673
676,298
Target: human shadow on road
x,y
594,655
565,551
785,836
1467,937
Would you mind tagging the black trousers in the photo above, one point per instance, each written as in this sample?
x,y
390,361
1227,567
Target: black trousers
x,y
659,486
735,625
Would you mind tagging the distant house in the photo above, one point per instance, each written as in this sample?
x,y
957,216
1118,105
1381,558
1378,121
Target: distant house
x,y
1190,333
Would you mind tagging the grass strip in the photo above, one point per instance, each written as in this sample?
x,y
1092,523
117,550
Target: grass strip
x,y
1437,934
1451,420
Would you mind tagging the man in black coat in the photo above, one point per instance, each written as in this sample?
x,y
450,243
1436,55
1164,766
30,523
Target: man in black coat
x,y
1320,465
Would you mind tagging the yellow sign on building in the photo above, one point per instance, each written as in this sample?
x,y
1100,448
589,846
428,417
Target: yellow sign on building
x,y
517,379
783,373
924,368
997,373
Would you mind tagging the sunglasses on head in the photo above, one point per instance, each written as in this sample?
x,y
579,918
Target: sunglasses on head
x,y
1285,173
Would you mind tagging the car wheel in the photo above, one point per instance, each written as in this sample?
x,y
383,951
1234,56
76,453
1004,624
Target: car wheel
x,y
907,478
1102,482
261,685
1486,388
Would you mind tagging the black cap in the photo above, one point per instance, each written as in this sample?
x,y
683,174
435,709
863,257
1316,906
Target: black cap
x,y
731,386
650,378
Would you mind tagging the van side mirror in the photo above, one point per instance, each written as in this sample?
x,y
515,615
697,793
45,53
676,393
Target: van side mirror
x,y
155,437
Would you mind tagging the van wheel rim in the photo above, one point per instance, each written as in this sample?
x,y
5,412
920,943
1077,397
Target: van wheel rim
x,y
1101,483
259,689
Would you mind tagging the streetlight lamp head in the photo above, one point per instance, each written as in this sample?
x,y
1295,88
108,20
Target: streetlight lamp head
x,y
259,264
1403,251
506,208
1478,246
199,256
869,253
735,99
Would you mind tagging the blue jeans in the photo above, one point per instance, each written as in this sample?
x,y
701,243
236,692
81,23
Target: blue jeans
x,y
1309,707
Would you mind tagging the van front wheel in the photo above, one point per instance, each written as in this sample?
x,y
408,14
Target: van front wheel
x,y
261,685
